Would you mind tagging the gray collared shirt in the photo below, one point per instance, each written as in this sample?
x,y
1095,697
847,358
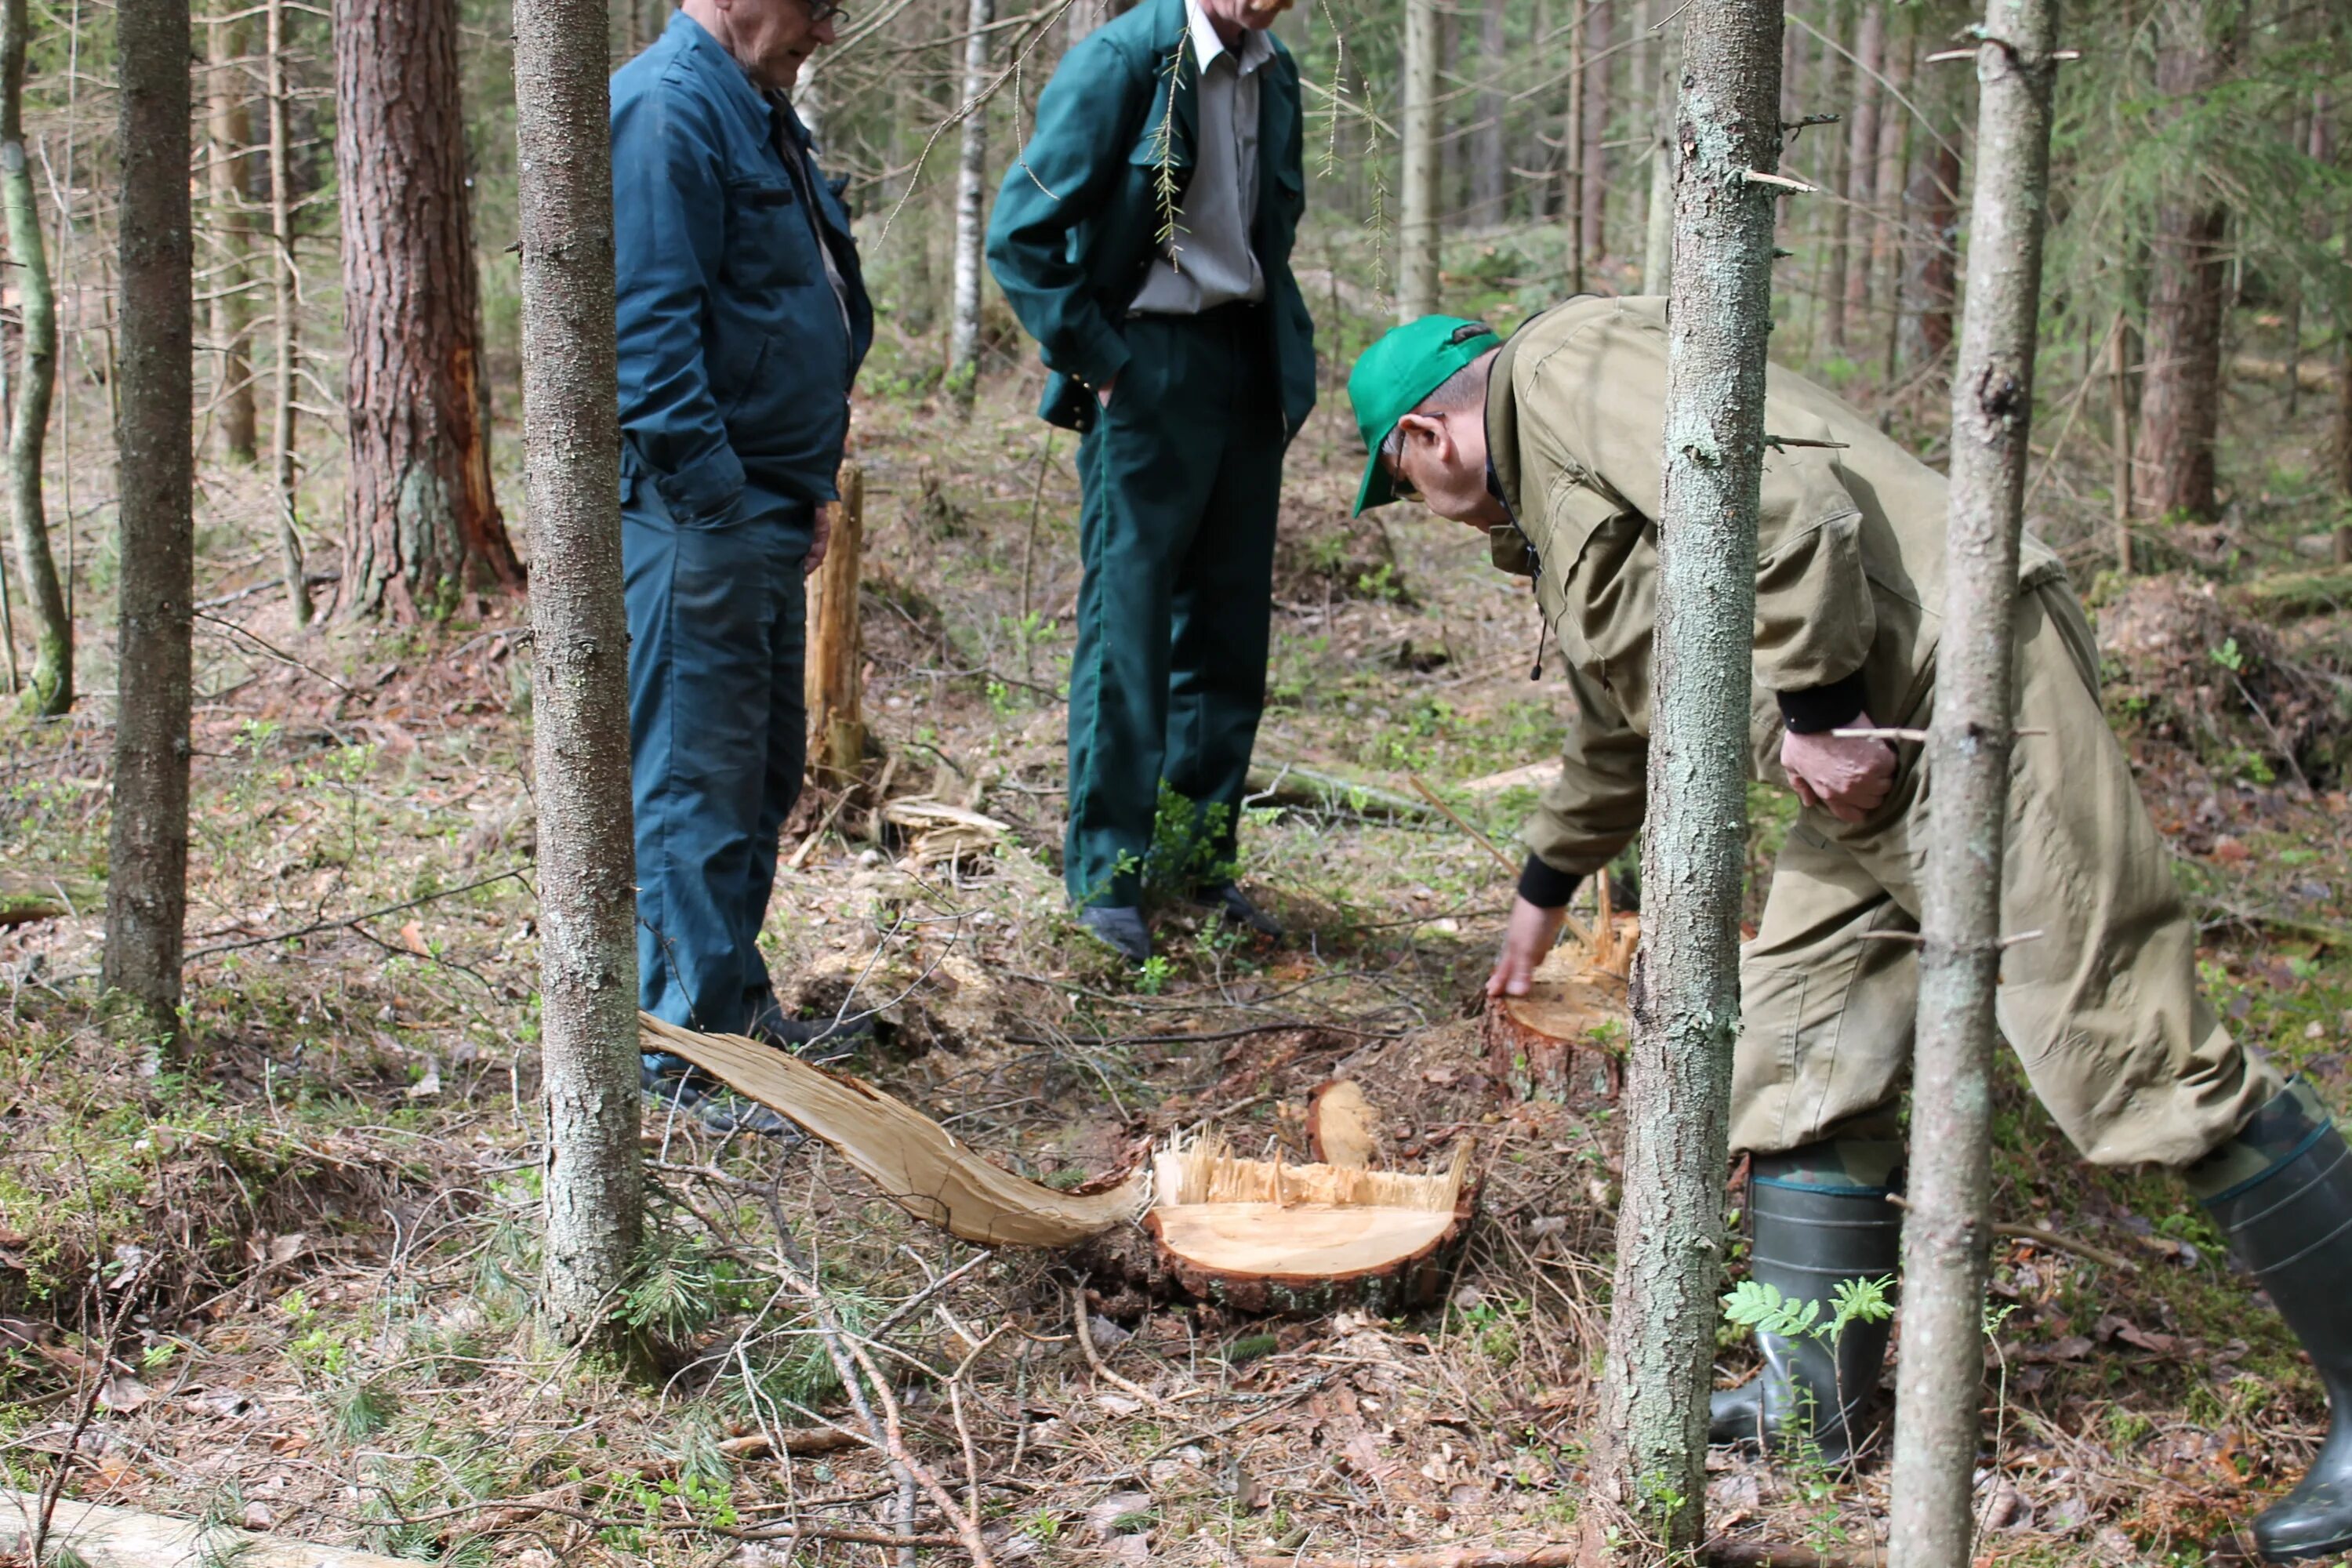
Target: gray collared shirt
x,y
1211,262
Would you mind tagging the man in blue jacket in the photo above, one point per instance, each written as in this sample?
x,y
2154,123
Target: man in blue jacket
x,y
742,319
1143,238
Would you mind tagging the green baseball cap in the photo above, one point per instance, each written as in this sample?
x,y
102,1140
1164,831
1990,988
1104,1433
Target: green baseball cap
x,y
1395,374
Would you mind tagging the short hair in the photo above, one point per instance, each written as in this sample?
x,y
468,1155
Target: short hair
x,y
1465,389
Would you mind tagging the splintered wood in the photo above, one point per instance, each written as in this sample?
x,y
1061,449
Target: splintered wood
x,y
1255,1235
1565,1039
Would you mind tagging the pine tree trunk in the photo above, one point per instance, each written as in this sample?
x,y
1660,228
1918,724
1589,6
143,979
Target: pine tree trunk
x,y
1572,151
1947,1233
1595,131
2180,397
421,525
1658,236
2119,438
1895,126
51,689
1417,262
230,129
1855,170
147,880
1648,1472
579,705
285,301
1931,222
1490,172
971,180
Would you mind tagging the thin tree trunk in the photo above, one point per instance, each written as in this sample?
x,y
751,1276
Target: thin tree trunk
x,y
572,441
971,180
285,298
1083,18
1895,125
1573,152
1931,224
1417,261
1490,163
230,129
1594,77
2180,395
421,525
1648,1470
1947,1232
1658,236
1856,171
2119,430
51,691
147,846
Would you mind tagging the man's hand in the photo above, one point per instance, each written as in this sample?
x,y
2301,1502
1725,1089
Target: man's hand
x,y
1105,390
1847,776
1526,941
823,537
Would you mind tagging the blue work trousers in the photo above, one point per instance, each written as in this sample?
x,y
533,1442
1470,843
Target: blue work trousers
x,y
717,733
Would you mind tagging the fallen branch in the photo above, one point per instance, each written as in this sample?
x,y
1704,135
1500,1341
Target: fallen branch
x,y
1452,1557
1310,789
1094,1357
2050,1239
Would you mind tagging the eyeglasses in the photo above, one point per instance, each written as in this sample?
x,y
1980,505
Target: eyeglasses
x,y
820,12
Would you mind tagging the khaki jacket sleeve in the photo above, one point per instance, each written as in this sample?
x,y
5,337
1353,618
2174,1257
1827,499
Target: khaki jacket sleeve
x,y
1606,389
1595,807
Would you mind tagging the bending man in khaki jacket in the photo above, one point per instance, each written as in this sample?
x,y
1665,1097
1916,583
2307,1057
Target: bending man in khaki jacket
x,y
1552,445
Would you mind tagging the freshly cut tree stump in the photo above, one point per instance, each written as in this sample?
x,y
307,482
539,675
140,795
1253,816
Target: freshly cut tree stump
x,y
1258,1235
1254,1235
1565,1039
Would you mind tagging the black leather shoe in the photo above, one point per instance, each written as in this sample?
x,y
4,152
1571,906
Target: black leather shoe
x,y
1120,927
1230,904
673,1083
2291,1226
794,1035
1808,1232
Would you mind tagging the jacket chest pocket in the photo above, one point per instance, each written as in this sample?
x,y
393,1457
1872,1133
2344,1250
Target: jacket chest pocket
x,y
769,243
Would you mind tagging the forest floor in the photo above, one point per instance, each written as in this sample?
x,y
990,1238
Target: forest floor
x,y
286,1282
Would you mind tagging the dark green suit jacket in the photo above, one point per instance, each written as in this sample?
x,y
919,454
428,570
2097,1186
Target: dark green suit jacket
x,y
1077,223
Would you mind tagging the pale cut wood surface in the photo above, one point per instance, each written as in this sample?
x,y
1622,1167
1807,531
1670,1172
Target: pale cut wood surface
x,y
107,1537
1298,1240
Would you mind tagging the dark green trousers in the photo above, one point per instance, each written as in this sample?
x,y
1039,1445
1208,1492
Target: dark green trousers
x,y
1181,475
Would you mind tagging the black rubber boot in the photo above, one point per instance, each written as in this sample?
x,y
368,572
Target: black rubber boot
x,y
1812,1225
2291,1222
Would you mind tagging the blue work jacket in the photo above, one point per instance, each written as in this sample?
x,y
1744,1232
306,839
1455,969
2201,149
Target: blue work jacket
x,y
1077,221
736,355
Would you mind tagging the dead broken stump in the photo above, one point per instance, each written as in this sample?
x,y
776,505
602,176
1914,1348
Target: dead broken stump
x,y
832,686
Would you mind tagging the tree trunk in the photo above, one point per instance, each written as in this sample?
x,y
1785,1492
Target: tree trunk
x,y
1945,1235
1849,261
2120,437
1595,130
1572,150
420,525
1895,124
833,686
51,690
230,129
1931,209
1648,1472
972,179
2181,397
1417,260
571,442
1658,238
1490,164
147,846
285,294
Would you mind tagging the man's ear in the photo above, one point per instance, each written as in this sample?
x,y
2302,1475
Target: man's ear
x,y
1423,427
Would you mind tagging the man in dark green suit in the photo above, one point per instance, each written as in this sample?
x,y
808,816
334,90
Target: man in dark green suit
x,y
1143,238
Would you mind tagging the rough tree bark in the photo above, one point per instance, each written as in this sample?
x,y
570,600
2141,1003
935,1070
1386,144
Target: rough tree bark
x,y
1878,276
1648,1473
147,844
579,705
1940,1380
420,522
1417,242
2181,397
284,281
1573,152
1850,260
972,179
229,127
1931,214
51,690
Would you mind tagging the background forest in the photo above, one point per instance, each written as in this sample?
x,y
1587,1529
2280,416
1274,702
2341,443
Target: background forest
x,y
283,1277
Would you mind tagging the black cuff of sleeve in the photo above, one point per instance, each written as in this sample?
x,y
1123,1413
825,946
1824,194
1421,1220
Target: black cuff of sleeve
x,y
1821,708
1545,888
